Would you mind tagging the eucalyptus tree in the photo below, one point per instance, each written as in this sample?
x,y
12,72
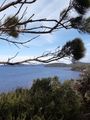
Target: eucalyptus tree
x,y
17,24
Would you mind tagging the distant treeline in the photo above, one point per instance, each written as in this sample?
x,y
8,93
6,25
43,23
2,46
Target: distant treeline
x,y
78,66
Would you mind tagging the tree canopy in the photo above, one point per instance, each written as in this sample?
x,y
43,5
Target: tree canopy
x,y
15,25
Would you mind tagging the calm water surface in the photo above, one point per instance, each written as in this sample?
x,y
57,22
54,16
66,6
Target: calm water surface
x,y
12,77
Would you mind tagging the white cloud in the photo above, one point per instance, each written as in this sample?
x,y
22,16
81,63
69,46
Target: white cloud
x,y
44,8
88,45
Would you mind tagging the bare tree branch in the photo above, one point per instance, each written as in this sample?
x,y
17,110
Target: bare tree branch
x,y
19,43
16,24
2,8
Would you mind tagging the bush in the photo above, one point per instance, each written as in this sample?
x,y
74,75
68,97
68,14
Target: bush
x,y
47,99
83,88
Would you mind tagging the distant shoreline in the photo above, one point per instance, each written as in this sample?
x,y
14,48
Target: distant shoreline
x,y
75,67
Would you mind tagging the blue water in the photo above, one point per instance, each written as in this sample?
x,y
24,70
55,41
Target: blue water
x,y
12,77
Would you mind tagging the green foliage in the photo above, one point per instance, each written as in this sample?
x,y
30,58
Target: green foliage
x,y
81,24
80,66
81,5
86,27
83,89
11,24
78,49
84,84
75,22
47,99
74,48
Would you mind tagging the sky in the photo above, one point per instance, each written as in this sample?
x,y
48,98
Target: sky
x,y
49,42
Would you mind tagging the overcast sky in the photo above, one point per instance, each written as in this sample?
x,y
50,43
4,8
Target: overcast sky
x,y
49,9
